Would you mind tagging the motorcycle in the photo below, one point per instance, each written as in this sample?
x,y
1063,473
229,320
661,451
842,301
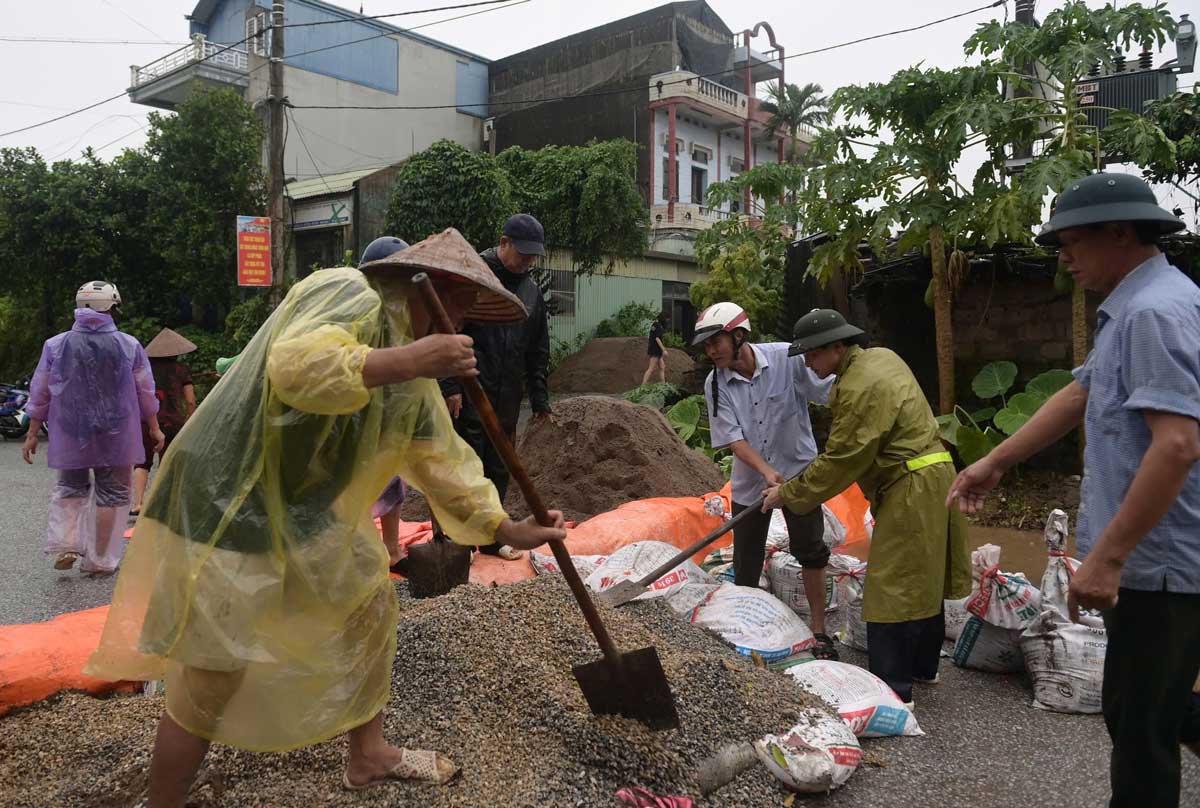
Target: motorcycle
x,y
14,421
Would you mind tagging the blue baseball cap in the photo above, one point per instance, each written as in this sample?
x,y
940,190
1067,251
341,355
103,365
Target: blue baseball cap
x,y
526,233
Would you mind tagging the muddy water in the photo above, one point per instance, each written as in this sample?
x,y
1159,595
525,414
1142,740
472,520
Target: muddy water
x,y
1020,550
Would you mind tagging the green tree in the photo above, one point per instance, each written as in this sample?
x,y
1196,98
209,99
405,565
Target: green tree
x,y
1165,141
1047,63
585,196
448,186
916,127
741,276
207,169
794,109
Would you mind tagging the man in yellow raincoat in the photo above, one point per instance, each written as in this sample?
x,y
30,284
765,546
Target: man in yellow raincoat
x,y
256,582
884,437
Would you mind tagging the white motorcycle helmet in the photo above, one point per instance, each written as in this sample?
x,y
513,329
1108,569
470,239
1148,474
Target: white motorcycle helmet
x,y
720,317
727,317
97,296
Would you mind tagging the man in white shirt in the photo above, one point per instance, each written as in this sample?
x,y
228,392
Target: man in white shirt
x,y
757,398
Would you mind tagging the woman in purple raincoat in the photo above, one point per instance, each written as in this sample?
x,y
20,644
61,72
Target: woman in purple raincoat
x,y
94,387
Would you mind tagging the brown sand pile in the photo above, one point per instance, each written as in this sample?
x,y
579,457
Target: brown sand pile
x,y
613,365
595,453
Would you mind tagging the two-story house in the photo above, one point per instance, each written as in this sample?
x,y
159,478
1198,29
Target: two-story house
x,y
677,81
346,60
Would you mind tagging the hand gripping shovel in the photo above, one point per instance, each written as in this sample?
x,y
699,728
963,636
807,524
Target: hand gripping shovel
x,y
631,684
626,591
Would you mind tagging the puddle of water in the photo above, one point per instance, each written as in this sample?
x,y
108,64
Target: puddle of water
x,y
1020,550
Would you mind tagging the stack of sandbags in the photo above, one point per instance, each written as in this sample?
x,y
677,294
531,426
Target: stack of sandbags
x,y
785,579
1065,660
1001,606
851,583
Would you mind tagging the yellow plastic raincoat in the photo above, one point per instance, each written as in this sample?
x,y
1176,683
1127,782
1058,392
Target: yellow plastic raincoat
x,y
256,581
881,421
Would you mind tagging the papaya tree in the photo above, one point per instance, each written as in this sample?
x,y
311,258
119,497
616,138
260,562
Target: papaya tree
x,y
888,180
1045,65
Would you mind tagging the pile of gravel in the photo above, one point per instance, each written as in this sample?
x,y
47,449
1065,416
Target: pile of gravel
x,y
482,675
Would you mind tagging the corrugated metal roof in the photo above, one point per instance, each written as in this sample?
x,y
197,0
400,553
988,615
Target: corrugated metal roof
x,y
330,184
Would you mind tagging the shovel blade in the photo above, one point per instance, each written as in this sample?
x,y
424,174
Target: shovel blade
x,y
635,687
622,593
435,567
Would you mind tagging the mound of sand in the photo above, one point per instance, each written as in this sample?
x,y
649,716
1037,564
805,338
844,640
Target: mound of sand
x,y
595,453
613,365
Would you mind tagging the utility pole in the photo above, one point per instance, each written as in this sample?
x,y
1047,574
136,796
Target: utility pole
x,y
275,152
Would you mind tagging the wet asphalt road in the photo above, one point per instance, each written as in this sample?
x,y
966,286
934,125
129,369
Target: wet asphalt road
x,y
984,746
30,590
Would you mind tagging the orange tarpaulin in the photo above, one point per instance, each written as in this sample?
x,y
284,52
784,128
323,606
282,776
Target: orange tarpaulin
x,y
38,660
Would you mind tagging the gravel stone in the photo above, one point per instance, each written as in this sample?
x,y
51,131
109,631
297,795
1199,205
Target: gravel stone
x,y
482,675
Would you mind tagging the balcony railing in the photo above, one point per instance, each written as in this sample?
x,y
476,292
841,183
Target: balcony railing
x,y
200,50
687,216
684,84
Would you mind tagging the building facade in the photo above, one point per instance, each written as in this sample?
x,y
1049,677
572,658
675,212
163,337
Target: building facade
x,y
332,56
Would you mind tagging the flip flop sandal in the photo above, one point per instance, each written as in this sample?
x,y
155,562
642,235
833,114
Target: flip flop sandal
x,y
510,553
415,764
824,649
66,560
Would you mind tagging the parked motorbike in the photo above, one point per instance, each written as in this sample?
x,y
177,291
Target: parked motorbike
x,y
14,421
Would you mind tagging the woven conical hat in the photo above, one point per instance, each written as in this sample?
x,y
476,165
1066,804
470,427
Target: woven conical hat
x,y
168,343
448,255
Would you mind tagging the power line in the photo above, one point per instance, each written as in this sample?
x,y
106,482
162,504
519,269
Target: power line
x,y
134,20
361,18
81,41
406,30
304,143
121,94
621,91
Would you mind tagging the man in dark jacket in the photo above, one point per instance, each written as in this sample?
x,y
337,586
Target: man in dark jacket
x,y
511,357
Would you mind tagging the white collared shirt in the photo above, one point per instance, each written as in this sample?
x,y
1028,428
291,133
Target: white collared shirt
x,y
769,411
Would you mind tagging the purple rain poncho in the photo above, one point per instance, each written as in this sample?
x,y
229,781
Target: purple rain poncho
x,y
93,387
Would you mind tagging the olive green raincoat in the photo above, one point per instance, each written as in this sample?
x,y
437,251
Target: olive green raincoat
x,y
256,582
881,421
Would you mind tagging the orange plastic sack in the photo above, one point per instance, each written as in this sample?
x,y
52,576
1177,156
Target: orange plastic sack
x,y
38,660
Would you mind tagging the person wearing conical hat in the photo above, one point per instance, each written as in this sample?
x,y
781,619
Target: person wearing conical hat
x,y
255,582
1138,398
176,402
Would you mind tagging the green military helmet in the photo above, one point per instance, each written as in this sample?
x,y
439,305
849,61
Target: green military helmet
x,y
818,328
1103,198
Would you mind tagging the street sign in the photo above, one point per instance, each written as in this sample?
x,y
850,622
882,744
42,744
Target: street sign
x,y
254,251
1089,87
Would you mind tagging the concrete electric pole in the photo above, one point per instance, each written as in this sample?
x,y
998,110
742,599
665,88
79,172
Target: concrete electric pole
x,y
275,153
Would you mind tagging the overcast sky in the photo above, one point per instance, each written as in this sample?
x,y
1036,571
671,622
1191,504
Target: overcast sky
x,y
43,79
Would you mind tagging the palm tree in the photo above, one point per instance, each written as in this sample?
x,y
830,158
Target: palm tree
x,y
793,108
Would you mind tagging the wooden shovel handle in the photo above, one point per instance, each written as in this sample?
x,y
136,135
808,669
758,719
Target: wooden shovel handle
x,y
683,555
491,425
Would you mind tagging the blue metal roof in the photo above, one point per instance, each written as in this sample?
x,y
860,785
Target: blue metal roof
x,y
205,8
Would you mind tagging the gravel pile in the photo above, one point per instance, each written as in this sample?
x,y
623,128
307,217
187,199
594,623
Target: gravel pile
x,y
482,675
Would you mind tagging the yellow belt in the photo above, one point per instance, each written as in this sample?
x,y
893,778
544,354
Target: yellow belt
x,y
930,459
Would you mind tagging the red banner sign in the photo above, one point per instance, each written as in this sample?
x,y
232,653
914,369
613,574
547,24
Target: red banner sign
x,y
254,251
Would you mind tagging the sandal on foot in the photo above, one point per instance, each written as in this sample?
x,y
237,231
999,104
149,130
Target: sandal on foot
x,y
510,553
415,764
824,648
66,560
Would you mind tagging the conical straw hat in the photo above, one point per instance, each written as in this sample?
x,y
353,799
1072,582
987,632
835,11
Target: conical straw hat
x,y
168,343
448,255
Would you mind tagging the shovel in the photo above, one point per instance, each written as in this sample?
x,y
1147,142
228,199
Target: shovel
x,y
627,590
632,684
438,565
